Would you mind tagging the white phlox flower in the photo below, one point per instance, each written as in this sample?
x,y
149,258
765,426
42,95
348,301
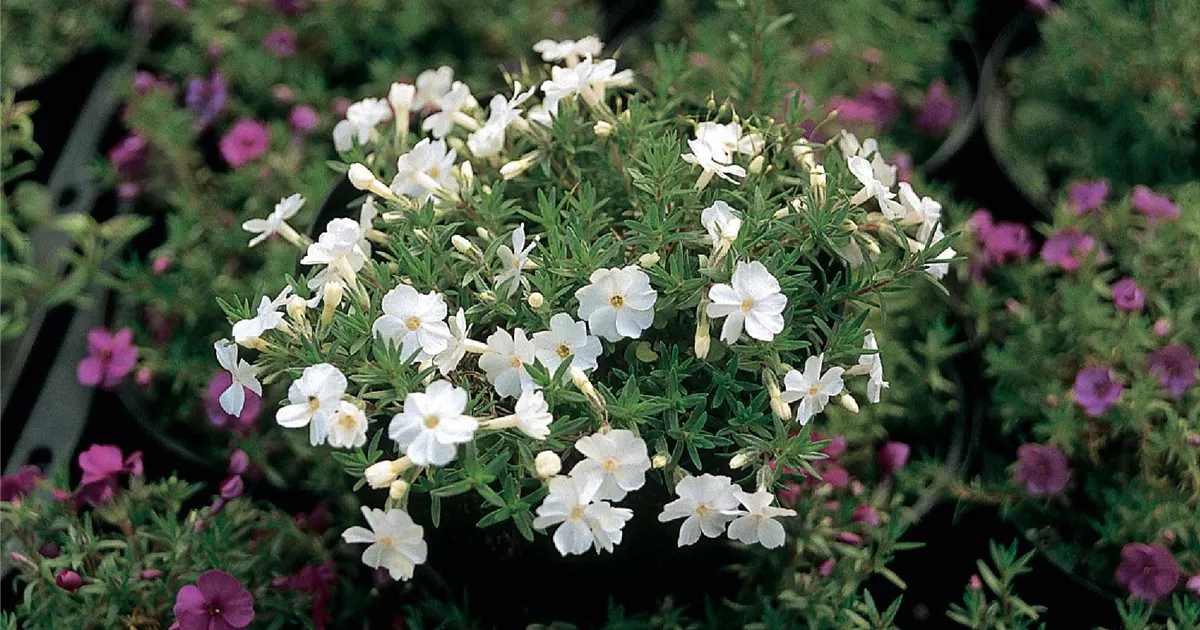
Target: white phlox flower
x,y
569,50
703,503
618,303
515,259
395,542
456,344
359,126
432,85
531,416
425,170
504,362
415,321
587,79
873,188
246,332
930,234
276,222
618,458
348,429
713,161
566,338
722,223
488,140
440,124
315,399
432,424
756,523
727,139
233,399
874,364
849,145
338,250
583,520
812,388
753,300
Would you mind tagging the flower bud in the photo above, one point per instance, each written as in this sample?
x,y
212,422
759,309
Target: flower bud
x,y
547,464
866,514
466,173
649,260
850,538
803,153
232,488
781,409
703,342
893,456
517,167
659,461
296,309
536,300
68,580
148,575
780,213
398,489
461,244
143,377
488,296
740,460
334,290
49,551
381,475
1162,327
847,401
400,97
816,177
483,233
239,462
974,582
756,165
362,178
602,128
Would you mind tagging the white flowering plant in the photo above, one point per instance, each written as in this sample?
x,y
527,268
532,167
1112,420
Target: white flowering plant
x,y
578,290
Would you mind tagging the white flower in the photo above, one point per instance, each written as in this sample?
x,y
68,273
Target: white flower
x,y
315,398
361,119
757,524
349,426
884,172
875,364
570,50
514,260
566,338
753,301
532,415
396,542
728,139
547,464
432,85
414,321
587,79
713,160
456,346
618,458
366,217
873,187
504,362
849,145
381,474
427,168
267,318
337,248
918,210
931,235
722,223
401,97
618,303
432,423
488,140
234,397
585,521
811,388
703,502
276,222
452,102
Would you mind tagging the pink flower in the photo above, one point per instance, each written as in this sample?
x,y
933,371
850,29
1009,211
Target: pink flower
x,y
939,110
1042,469
894,456
904,166
835,475
1127,295
1066,248
1156,207
1193,585
129,157
303,119
866,514
16,486
68,580
316,580
826,568
789,494
111,358
102,466
884,99
143,377
161,264
1096,390
1001,242
220,381
1175,367
820,48
280,42
1086,195
232,488
872,56
1162,327
239,462
247,141
1149,572
216,602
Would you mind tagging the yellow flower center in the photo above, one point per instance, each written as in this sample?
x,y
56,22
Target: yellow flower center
x,y
609,465
514,361
563,351
314,404
347,421
576,513
747,305
412,323
432,421
816,387
617,301
386,541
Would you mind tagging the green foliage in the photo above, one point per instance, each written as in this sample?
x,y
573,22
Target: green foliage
x,y
1003,608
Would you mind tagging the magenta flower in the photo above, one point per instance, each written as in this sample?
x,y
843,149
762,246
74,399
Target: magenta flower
x,y
20,484
853,111
939,111
111,358
894,456
1000,242
1175,367
220,381
102,466
1086,195
1127,295
68,580
1193,585
1096,390
316,580
789,493
884,99
1066,248
280,42
216,601
1042,469
866,514
303,119
1149,572
247,141
1155,207
205,98
239,462
129,157
834,475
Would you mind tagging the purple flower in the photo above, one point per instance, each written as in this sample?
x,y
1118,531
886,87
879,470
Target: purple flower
x,y
866,514
894,456
1042,469
1096,390
1067,247
1155,207
216,601
232,488
834,475
289,7
206,98
303,119
220,381
1175,367
280,42
102,466
239,462
1086,195
316,580
16,486
144,81
1148,571
1193,585
68,580
247,141
884,99
128,157
904,166
820,48
111,358
939,110
853,111
1127,295
1000,242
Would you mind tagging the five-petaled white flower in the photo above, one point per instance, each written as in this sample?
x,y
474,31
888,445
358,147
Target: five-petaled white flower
x,y
432,424
757,524
811,388
918,210
276,222
875,364
873,188
566,338
396,542
415,321
569,50
361,119
618,458
457,99
456,344
349,426
583,520
268,317
338,250
488,140
850,146
587,79
728,139
618,303
432,85
234,397
425,169
514,259
703,502
504,362
722,223
931,234
753,301
315,398
532,415
714,161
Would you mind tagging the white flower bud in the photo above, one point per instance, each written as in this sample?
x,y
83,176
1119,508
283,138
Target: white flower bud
x,y
756,165
518,167
398,489
803,153
602,128
649,260
483,233
466,173
780,408
780,213
487,296
847,401
703,342
660,460
381,475
400,97
460,243
547,464
816,177
740,460
421,234
362,178
536,300
296,308
332,296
